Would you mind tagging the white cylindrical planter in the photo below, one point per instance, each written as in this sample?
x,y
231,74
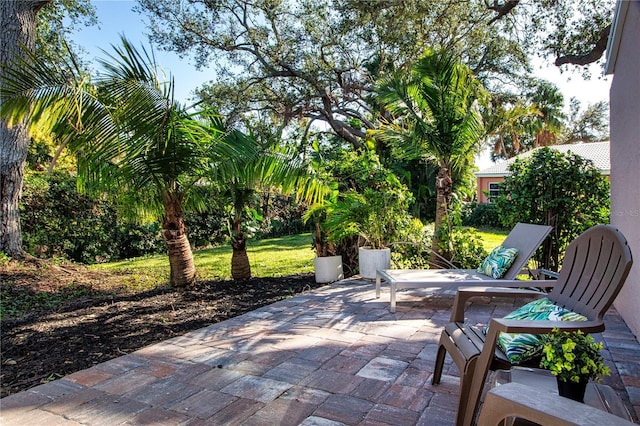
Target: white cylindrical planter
x,y
371,260
328,269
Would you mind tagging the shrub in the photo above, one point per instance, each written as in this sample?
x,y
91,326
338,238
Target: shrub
x,y
206,229
481,216
414,247
57,221
282,216
374,207
551,188
140,240
462,246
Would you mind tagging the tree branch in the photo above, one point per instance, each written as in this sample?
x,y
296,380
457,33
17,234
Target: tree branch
x,y
502,9
592,56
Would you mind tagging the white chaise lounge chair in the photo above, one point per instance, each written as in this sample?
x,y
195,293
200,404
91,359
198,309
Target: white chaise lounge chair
x,y
524,236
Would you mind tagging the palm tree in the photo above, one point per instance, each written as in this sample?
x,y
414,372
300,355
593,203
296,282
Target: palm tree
x,y
272,166
131,137
550,122
435,116
505,126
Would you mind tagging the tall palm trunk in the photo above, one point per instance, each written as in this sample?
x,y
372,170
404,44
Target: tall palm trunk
x,y
183,269
240,266
444,189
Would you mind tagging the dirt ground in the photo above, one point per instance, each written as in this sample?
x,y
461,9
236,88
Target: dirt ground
x,y
85,318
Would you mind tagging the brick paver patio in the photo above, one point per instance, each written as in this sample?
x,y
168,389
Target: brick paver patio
x,y
332,356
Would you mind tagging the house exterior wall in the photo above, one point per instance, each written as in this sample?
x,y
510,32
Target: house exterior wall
x,y
483,187
625,158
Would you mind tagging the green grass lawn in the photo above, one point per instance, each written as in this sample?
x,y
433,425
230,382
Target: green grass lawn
x,y
272,257
492,238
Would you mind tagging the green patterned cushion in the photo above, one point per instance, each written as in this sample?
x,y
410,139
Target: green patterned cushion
x,y
498,261
522,346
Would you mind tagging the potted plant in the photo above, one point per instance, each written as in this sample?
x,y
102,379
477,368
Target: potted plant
x,y
574,358
327,264
376,216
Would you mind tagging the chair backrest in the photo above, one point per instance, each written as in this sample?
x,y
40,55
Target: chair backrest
x,y
526,238
595,267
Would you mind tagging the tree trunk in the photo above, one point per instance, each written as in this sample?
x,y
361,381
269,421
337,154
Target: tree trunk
x,y
183,269
14,153
240,266
18,23
444,188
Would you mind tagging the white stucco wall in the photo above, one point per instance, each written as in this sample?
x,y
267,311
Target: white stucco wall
x,y
625,158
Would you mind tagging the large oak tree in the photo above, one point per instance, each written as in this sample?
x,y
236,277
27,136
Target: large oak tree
x,y
28,26
318,60
18,22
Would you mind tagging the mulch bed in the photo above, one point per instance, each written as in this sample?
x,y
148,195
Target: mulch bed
x,y
50,343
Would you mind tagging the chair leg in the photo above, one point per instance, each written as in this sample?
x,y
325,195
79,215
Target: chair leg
x,y
437,371
466,381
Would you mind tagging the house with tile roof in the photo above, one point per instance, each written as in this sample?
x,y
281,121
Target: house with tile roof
x,y
490,178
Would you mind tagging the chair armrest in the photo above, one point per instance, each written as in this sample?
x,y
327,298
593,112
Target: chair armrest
x,y
465,293
541,274
548,273
542,326
518,400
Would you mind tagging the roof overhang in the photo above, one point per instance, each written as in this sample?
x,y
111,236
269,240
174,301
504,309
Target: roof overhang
x,y
613,44
480,174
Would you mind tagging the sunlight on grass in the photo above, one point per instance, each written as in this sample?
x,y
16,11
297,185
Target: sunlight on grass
x,y
272,257
492,238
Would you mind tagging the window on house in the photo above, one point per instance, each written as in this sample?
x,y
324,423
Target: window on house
x,y
494,190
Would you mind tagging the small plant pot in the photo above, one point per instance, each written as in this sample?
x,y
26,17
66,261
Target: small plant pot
x,y
572,390
370,260
328,269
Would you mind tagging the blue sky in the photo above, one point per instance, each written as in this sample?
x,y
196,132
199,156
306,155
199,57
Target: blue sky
x,y
116,17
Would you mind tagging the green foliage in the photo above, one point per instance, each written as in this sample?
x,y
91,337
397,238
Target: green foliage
x,y
282,216
414,247
375,207
317,215
590,125
318,53
483,215
562,190
462,247
573,356
572,31
136,240
434,114
206,228
57,21
57,221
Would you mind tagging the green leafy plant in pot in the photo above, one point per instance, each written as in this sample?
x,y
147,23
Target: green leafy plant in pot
x,y
574,358
376,216
323,243
328,263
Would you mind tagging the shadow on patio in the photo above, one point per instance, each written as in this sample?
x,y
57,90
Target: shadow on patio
x,y
328,357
